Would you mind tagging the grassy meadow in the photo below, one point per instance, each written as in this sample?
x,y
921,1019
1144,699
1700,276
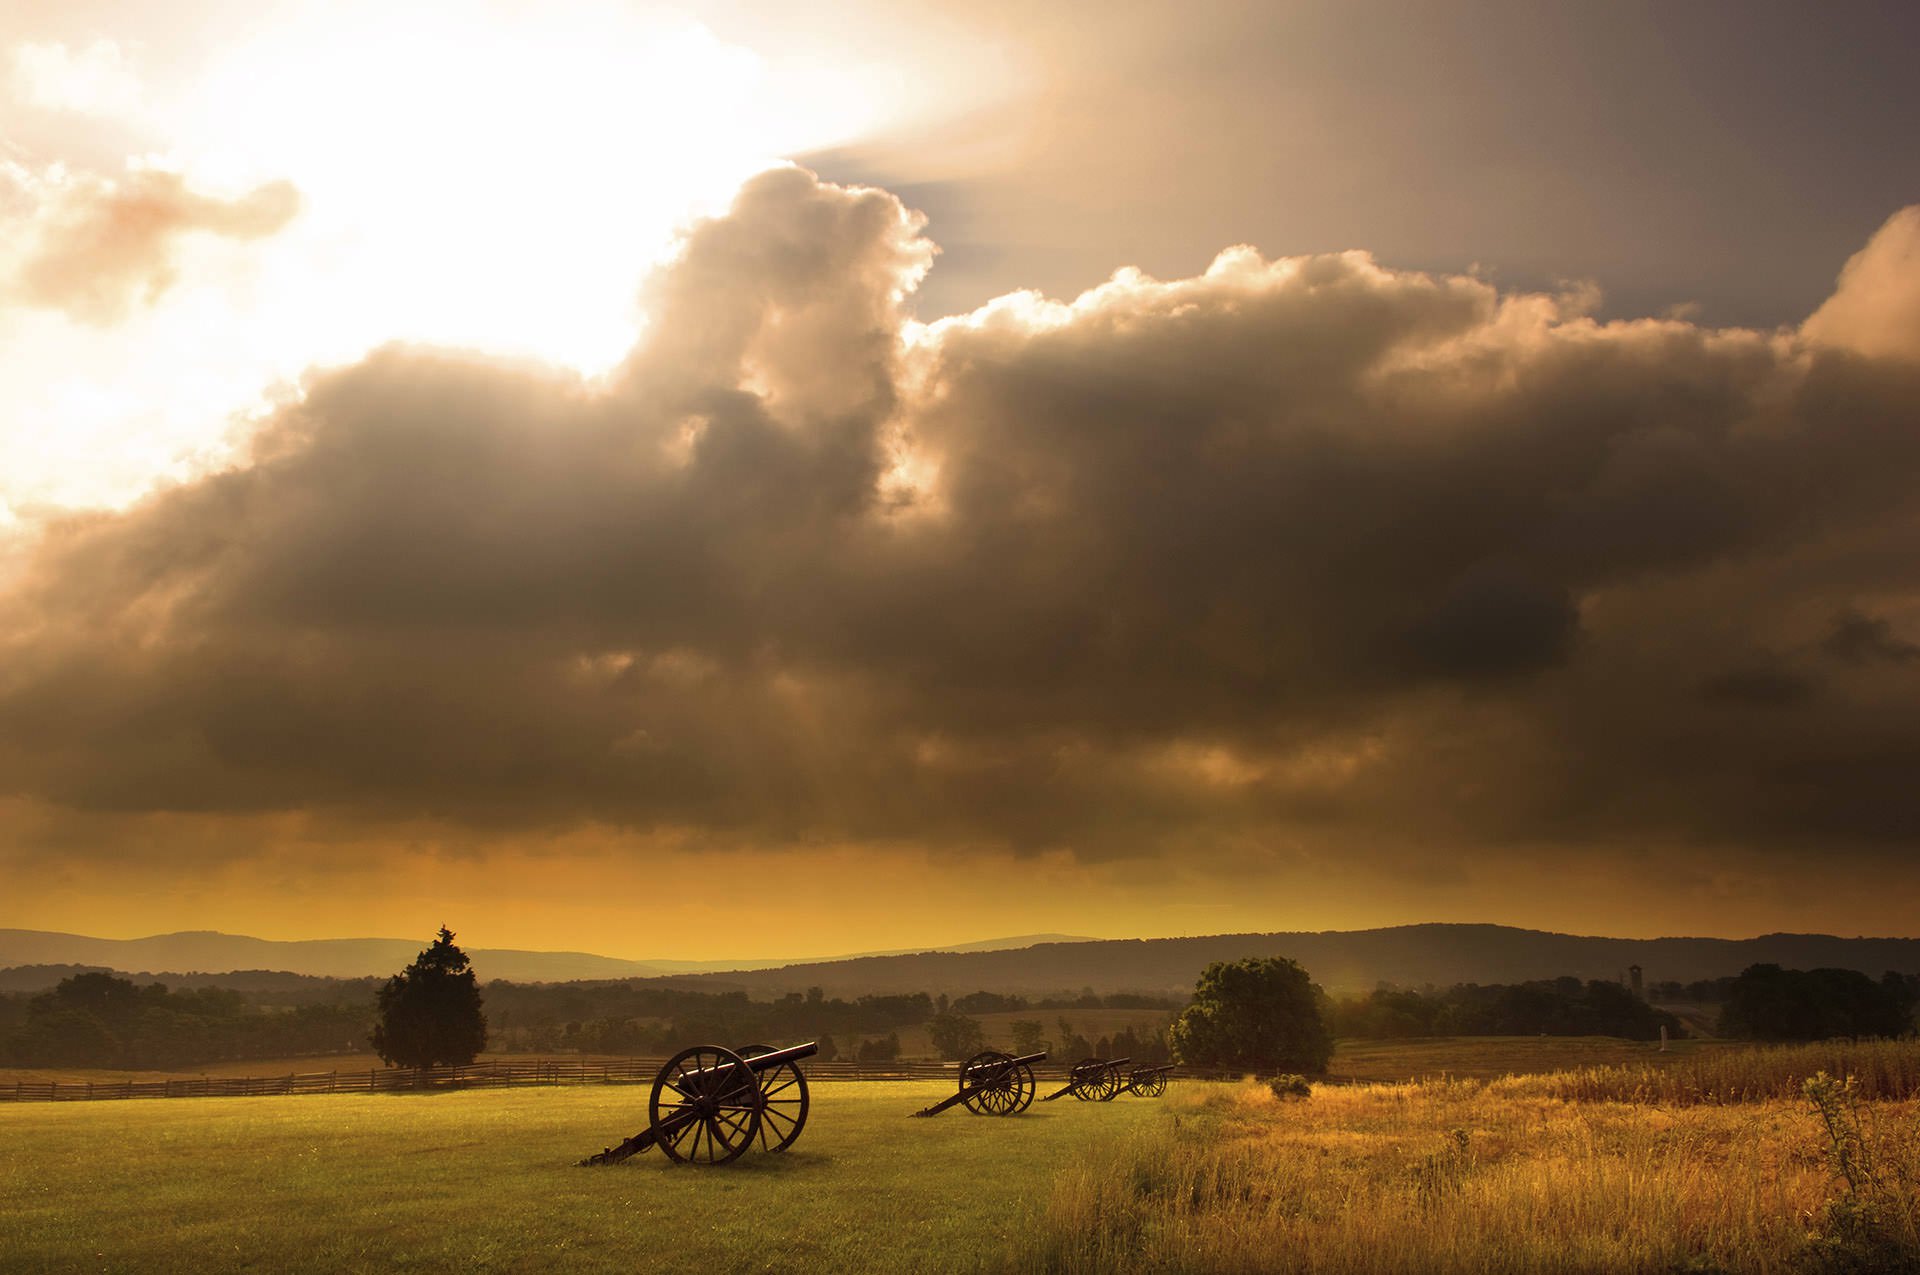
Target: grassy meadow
x,y
486,1180
1457,1176
1594,1168
1488,1057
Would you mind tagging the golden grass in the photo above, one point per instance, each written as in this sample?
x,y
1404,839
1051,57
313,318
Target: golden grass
x,y
1882,1070
1445,1176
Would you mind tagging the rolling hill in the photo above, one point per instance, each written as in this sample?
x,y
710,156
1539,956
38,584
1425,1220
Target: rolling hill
x,y
209,951
1339,960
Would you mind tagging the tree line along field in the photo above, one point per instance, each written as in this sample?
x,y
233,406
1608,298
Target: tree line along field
x,y
96,1020
1713,1161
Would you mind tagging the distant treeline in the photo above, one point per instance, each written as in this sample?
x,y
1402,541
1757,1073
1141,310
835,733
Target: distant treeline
x,y
98,1020
642,1017
1765,1002
276,988
1770,1003
1546,1007
1706,991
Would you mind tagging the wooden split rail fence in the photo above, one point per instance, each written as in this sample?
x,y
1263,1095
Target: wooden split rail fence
x,y
544,1071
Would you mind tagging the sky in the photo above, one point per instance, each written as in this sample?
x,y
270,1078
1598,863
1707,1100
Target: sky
x,y
747,480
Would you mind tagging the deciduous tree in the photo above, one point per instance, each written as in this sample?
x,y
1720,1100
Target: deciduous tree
x,y
1261,1014
956,1035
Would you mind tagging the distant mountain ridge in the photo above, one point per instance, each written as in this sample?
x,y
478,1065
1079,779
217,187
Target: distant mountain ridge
x,y
1339,960
210,951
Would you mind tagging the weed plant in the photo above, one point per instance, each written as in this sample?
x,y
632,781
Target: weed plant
x,y
1873,1224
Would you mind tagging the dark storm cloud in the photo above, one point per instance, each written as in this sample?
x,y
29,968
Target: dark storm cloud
x,y
1858,638
1297,544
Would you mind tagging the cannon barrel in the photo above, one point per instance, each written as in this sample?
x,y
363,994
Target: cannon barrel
x,y
1026,1060
774,1058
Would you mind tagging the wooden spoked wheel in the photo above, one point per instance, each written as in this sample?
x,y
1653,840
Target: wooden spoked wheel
x,y
995,1084
1149,1082
705,1107
783,1101
1093,1080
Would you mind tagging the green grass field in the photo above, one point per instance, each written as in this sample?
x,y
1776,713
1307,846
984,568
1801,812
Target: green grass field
x,y
486,1180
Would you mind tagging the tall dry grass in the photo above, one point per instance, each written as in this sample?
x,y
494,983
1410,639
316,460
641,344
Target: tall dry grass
x,y
1882,1070
1450,1176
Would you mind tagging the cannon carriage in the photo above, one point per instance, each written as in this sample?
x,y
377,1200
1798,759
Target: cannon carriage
x,y
992,1084
1146,1082
1092,1080
709,1104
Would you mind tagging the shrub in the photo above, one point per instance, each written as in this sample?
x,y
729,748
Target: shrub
x,y
1290,1087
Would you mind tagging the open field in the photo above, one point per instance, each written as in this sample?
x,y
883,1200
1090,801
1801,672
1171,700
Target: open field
x,y
1486,1057
487,1181
1443,1176
1551,1172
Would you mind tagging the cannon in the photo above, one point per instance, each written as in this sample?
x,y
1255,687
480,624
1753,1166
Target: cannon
x,y
1146,1082
993,1084
710,1104
1092,1080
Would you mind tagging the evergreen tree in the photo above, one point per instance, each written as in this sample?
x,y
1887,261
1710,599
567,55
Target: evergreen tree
x,y
429,1013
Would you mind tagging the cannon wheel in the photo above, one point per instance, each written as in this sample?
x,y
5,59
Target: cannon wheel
x,y
1006,1093
705,1107
783,1101
1149,1083
1028,1087
1093,1080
